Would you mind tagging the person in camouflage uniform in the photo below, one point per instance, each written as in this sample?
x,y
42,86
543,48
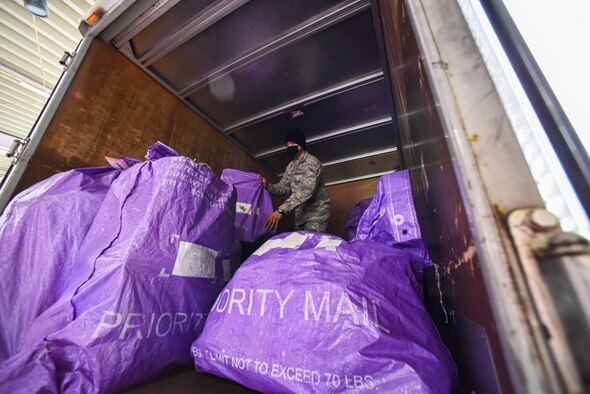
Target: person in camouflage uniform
x,y
304,181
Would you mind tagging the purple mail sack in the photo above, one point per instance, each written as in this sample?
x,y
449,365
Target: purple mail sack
x,y
146,275
253,206
41,231
310,312
354,216
391,219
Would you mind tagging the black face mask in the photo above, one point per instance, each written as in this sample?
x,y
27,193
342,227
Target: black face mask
x,y
292,150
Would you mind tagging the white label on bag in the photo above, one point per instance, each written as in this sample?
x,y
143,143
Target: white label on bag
x,y
327,241
195,261
292,241
243,208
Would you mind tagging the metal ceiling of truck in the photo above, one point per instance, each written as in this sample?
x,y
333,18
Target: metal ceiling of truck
x,y
256,69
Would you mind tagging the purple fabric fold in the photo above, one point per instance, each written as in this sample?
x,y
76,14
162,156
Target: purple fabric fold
x,y
253,205
354,216
391,219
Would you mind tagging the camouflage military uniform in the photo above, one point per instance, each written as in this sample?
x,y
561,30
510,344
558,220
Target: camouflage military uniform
x,y
304,180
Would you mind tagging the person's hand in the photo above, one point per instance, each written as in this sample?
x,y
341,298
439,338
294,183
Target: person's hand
x,y
263,180
273,221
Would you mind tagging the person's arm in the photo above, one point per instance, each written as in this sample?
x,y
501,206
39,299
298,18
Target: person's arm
x,y
304,191
283,187
278,189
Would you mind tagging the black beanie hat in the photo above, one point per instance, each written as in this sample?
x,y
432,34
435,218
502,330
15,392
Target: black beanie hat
x,y
296,136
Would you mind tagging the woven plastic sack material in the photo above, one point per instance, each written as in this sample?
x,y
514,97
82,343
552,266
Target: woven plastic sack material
x,y
41,231
310,312
354,216
148,272
160,150
253,206
391,219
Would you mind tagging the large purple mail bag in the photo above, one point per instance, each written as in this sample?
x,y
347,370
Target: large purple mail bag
x,y
391,219
41,231
354,216
147,273
253,206
310,312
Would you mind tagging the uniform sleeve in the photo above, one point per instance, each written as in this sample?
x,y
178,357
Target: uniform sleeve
x,y
304,191
283,187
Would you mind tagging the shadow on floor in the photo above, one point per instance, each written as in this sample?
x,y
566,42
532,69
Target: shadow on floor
x,y
187,380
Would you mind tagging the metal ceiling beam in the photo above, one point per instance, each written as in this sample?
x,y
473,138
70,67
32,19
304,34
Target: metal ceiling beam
x,y
331,134
362,156
203,20
359,178
307,99
303,30
351,129
357,157
153,13
113,27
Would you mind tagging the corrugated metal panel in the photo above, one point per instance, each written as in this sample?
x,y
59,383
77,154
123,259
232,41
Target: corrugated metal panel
x,y
30,50
5,163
